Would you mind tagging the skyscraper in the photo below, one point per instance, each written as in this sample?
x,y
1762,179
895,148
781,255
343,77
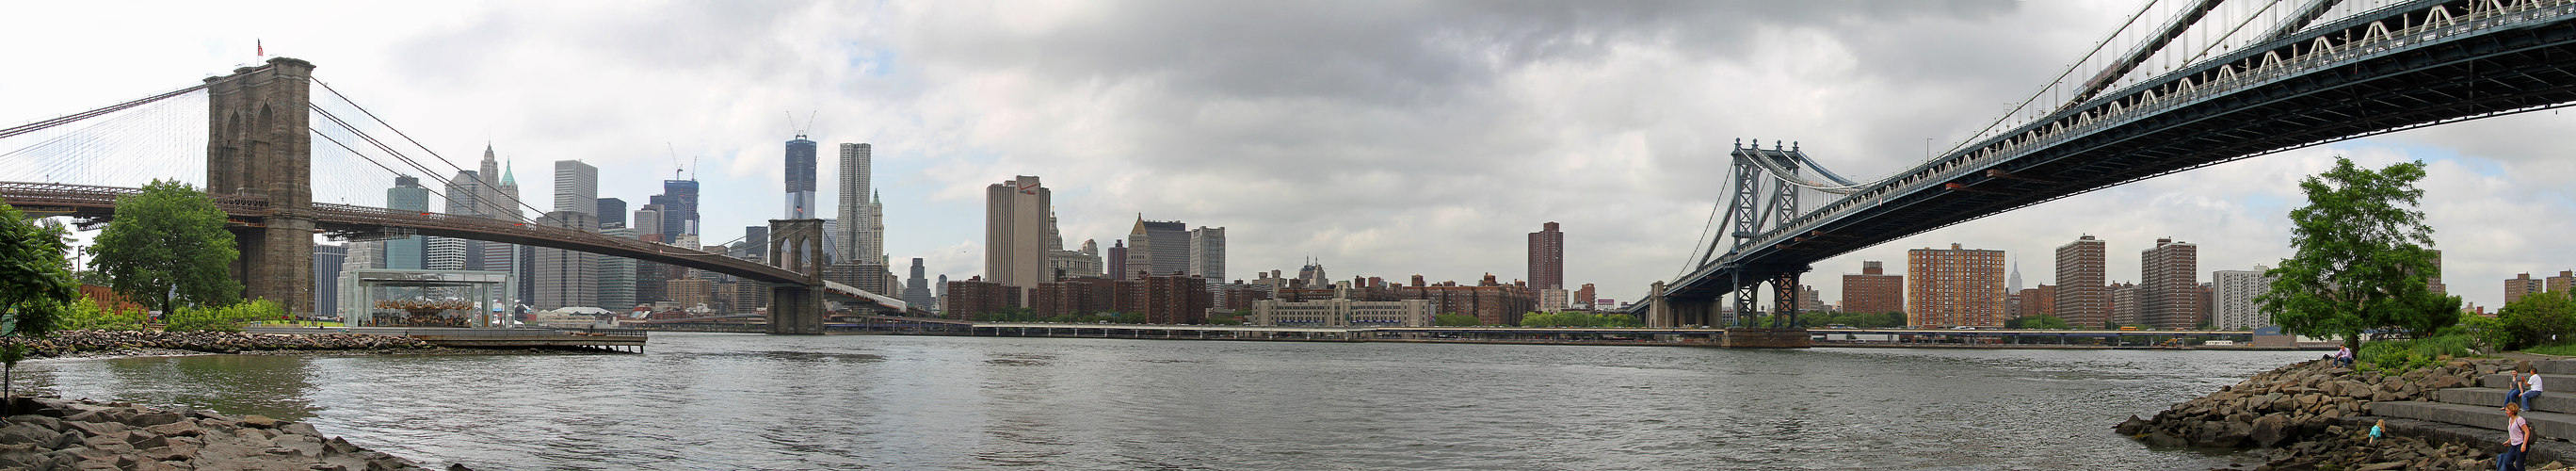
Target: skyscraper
x,y
1547,258
1955,287
406,195
505,205
800,180
2169,284
1158,247
327,262
567,278
679,200
1207,253
862,234
1118,260
616,274
2080,296
1015,233
612,213
1873,290
577,188
916,288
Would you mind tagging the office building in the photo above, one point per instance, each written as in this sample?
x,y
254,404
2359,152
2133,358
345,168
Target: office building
x,y
800,202
406,253
2169,285
1207,253
2231,299
612,213
1117,260
1015,234
444,253
328,260
679,200
1547,258
1873,290
2522,284
916,288
1954,287
1158,247
616,274
2080,277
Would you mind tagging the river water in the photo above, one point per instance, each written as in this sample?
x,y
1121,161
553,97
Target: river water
x,y
736,401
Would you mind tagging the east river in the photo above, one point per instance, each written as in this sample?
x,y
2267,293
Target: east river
x,y
736,401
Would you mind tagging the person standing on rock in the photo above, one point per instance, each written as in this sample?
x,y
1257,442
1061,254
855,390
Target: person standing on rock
x,y
2517,439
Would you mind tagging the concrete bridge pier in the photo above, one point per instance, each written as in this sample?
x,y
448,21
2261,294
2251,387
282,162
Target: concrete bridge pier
x,y
795,310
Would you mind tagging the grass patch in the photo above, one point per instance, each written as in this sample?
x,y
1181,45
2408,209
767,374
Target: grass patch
x,y
2396,356
2564,349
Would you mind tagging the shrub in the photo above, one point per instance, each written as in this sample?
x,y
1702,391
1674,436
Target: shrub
x,y
86,315
224,319
2395,356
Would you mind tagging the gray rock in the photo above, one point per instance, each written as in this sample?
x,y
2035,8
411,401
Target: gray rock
x,y
22,433
2270,430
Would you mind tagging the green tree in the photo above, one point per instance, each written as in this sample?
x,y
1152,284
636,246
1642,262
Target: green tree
x,y
167,247
2037,322
2534,320
1456,320
2362,255
36,287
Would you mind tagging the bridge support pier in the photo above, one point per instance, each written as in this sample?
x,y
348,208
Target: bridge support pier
x,y
797,245
259,142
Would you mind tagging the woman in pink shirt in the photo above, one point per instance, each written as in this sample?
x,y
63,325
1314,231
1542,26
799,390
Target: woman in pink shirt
x,y
2517,439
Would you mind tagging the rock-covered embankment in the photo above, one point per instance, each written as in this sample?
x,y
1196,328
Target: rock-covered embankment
x,y
2303,408
81,342
58,434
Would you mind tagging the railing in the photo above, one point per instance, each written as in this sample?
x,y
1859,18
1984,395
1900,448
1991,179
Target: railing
x,y
2214,78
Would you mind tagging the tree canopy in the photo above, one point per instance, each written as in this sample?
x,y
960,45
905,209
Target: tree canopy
x,y
2362,256
167,247
34,278
2037,322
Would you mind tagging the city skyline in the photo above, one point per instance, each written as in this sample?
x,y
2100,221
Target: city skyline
x,y
1583,135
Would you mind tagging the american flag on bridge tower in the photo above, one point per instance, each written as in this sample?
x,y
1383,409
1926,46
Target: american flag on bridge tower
x,y
263,48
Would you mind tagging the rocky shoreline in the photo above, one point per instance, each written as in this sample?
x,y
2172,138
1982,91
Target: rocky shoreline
x,y
48,433
2312,415
77,343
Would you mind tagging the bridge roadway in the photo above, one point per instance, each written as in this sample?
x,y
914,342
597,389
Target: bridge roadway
x,y
1532,333
2397,68
95,203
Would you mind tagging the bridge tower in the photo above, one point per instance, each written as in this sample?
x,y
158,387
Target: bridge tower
x,y
259,143
797,245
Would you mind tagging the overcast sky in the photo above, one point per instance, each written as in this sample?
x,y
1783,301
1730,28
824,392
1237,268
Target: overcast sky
x,y
1383,138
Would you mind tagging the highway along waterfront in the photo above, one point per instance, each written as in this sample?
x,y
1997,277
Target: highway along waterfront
x,y
746,401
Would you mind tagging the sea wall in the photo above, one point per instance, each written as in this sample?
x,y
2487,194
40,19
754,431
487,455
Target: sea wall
x,y
2312,412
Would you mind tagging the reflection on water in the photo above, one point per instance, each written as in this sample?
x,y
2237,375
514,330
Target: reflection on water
x,y
731,401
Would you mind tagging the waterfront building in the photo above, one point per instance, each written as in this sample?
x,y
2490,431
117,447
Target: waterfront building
x,y
2521,284
1158,247
1166,299
617,274
2039,301
800,181
1811,300
1583,298
1207,252
1492,303
2562,282
566,278
1547,257
1554,299
1078,296
1015,235
406,253
1873,290
2232,294
916,288
1341,312
328,260
691,293
2169,285
2124,304
973,297
1954,287
2081,298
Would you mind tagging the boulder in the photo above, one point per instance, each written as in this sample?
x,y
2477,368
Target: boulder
x,y
2270,430
260,421
22,433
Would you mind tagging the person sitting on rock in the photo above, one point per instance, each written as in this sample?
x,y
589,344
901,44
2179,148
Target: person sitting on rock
x,y
2517,439
2343,357
2530,390
2377,429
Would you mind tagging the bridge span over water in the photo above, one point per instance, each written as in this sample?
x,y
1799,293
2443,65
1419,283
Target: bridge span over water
x,y
2322,71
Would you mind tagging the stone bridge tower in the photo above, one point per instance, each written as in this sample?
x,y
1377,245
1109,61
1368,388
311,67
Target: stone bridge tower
x,y
797,245
259,143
